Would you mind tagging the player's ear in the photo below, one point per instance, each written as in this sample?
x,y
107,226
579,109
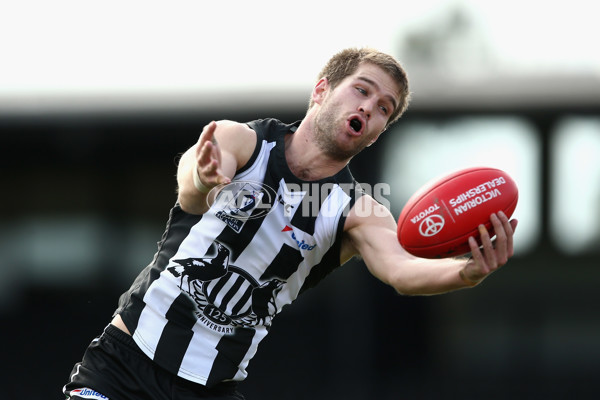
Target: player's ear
x,y
320,90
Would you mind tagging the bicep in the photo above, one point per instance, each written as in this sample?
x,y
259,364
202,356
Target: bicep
x,y
373,237
236,142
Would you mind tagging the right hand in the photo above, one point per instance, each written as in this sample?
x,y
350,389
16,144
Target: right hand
x,y
208,158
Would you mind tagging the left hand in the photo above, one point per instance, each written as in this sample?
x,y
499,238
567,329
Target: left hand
x,y
495,254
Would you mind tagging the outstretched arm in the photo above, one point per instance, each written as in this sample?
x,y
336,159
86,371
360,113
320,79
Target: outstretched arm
x,y
221,150
374,238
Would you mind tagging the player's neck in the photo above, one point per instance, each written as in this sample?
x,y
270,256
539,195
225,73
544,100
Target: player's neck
x,y
306,160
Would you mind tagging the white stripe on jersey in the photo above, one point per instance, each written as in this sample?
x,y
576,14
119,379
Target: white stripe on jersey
x,y
232,292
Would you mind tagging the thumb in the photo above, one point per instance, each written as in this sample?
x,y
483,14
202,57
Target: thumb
x,y
223,180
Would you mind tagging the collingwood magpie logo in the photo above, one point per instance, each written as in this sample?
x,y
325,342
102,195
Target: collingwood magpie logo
x,y
226,295
240,201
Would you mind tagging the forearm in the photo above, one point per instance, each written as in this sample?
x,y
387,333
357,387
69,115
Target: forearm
x,y
418,276
374,238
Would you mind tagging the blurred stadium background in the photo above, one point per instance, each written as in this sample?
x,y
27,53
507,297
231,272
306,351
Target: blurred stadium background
x,y
97,99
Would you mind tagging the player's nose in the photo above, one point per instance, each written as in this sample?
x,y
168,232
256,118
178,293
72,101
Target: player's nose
x,y
367,108
365,111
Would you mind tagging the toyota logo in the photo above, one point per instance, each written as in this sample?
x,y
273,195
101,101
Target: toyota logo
x,y
431,225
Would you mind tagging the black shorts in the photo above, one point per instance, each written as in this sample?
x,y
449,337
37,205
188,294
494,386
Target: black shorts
x,y
113,367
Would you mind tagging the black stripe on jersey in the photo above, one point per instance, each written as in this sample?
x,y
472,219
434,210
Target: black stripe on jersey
x,y
329,262
232,349
243,300
232,291
269,130
331,259
308,209
237,242
272,129
216,287
178,227
177,334
284,264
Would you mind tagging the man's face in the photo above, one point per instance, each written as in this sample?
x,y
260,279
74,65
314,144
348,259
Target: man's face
x,y
353,115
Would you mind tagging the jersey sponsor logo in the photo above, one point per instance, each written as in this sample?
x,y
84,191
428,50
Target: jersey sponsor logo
x,y
239,201
87,393
226,296
302,245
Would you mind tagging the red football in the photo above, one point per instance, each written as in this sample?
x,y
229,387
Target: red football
x,y
437,220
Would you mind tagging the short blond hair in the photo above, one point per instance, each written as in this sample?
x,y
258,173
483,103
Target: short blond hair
x,y
347,61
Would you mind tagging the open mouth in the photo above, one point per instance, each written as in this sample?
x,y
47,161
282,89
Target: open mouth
x,y
356,124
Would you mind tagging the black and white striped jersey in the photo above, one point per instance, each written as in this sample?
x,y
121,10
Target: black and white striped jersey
x,y
209,296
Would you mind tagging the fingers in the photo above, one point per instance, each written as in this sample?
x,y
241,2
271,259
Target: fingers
x,y
208,157
205,153
491,255
504,236
501,242
208,133
207,141
209,167
476,253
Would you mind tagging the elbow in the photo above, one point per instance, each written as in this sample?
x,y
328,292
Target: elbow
x,y
405,286
405,290
191,204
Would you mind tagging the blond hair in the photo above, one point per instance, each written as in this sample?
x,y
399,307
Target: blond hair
x,y
346,62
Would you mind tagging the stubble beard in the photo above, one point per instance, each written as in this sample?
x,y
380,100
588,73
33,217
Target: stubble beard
x,y
326,130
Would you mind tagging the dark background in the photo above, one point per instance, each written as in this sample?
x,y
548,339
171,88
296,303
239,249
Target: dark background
x,y
531,331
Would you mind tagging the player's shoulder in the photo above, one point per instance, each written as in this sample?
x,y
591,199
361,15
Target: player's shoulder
x,y
236,139
271,129
233,128
367,220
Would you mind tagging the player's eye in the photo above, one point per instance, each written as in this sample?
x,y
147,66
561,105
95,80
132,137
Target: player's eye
x,y
361,91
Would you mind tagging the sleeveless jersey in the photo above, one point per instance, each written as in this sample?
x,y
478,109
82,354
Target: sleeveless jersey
x,y
209,296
